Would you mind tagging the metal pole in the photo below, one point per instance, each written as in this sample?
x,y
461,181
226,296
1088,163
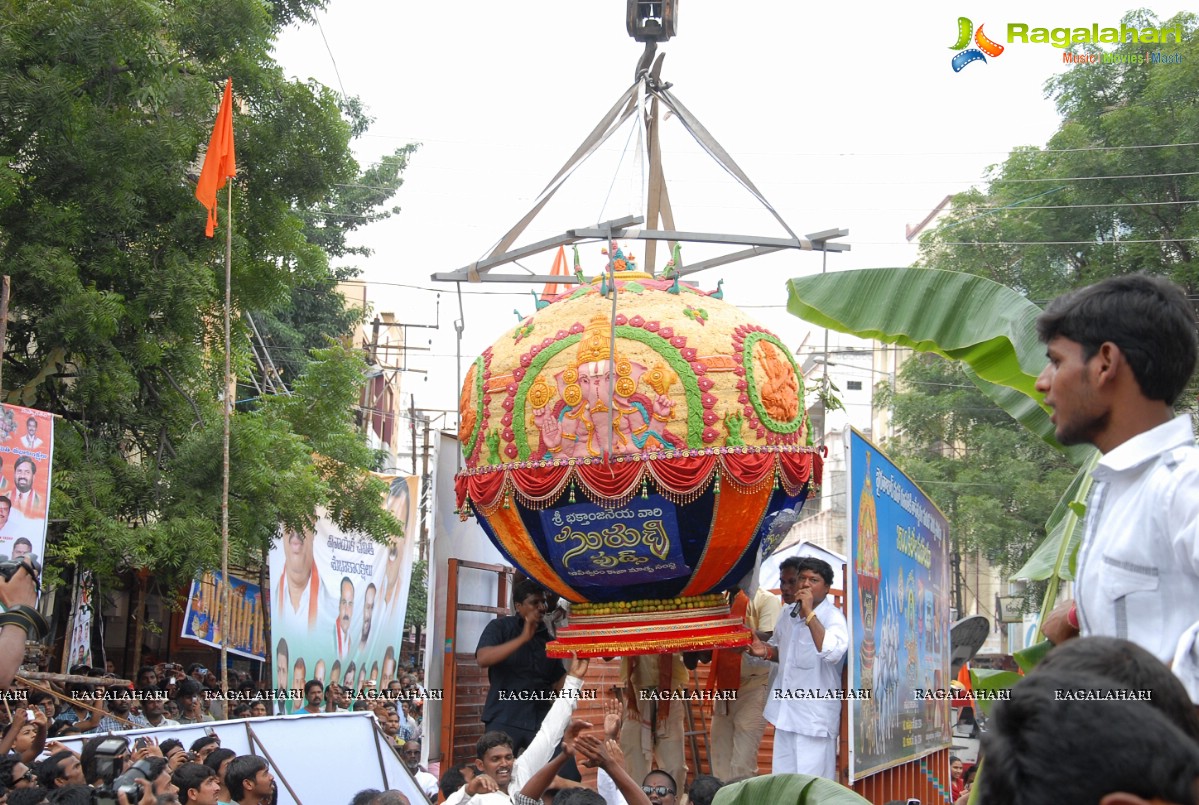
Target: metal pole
x,y
228,413
5,289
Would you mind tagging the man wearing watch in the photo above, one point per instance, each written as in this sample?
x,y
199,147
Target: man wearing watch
x,y
20,621
809,644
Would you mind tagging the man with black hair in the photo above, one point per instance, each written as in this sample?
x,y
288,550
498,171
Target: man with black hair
x,y
249,780
501,770
1120,353
809,644
1074,738
34,795
26,499
345,615
147,679
119,701
703,789
204,746
512,649
154,711
1131,666
197,784
191,703
15,774
314,693
455,777
60,770
157,774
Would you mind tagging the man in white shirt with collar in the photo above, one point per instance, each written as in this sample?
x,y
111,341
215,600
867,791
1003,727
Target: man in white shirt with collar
x,y
502,774
1120,354
809,644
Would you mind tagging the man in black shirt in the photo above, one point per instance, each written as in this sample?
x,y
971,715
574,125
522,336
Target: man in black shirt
x,y
523,679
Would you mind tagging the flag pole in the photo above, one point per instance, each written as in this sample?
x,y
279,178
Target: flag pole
x,y
228,411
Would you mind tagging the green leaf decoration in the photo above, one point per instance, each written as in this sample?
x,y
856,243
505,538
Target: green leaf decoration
x,y
801,789
1049,559
991,680
987,326
1029,657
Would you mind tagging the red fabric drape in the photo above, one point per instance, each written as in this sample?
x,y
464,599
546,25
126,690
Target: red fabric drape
x,y
610,480
682,475
539,482
679,475
749,469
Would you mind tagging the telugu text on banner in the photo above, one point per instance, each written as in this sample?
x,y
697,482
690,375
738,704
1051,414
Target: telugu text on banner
x,y
899,549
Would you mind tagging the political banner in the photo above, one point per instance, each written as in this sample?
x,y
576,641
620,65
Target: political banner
x,y
899,594
26,447
83,615
338,600
242,628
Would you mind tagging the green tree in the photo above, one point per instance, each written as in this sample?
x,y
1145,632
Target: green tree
x,y
1112,192
105,106
1042,226
995,482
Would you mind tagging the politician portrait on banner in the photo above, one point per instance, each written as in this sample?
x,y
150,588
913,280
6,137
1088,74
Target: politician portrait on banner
x,y
26,448
338,599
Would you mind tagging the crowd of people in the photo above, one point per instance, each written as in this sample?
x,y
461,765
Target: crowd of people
x,y
36,767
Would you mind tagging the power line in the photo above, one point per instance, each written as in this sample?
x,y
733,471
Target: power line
x,y
329,50
491,146
1059,242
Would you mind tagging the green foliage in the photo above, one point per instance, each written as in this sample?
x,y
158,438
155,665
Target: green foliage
x,y
1039,229
996,485
801,789
105,109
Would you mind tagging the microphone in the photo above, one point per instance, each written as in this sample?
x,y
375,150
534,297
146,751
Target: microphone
x,y
795,610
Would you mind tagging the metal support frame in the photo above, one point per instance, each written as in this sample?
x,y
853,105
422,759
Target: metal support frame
x,y
644,98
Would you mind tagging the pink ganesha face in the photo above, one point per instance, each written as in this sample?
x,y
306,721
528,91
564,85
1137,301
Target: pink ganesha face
x,y
595,382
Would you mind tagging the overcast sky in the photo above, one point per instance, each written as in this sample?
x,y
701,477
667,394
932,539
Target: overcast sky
x,y
844,114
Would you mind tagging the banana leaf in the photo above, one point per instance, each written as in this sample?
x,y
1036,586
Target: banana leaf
x,y
1052,558
801,789
987,326
991,681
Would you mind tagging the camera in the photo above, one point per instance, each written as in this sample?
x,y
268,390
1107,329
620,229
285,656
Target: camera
x,y
131,783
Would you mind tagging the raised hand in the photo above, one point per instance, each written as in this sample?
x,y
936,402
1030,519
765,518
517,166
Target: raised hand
x,y
612,718
592,749
578,666
577,725
481,784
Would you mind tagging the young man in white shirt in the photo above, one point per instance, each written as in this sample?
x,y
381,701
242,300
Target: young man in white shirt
x,y
1120,354
809,644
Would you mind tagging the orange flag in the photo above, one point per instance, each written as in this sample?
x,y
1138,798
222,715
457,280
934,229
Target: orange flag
x,y
220,162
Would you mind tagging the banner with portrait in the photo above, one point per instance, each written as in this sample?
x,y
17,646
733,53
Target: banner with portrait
x,y
899,595
242,628
26,448
338,599
83,615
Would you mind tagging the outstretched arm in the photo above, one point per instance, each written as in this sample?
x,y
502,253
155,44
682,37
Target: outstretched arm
x,y
544,777
553,726
600,755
